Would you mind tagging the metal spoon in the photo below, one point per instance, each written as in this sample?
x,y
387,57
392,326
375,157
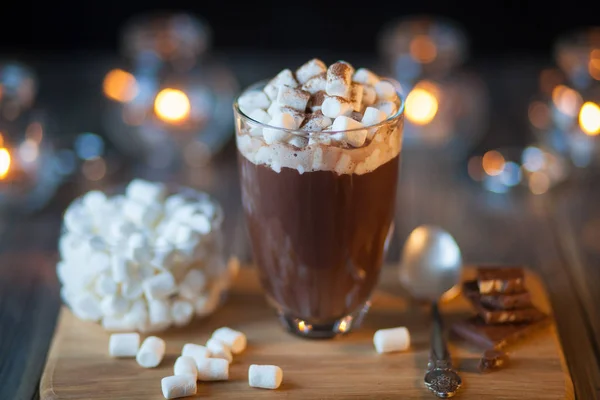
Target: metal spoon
x,y
430,266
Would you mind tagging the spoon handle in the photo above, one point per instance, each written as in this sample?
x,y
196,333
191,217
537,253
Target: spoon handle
x,y
439,356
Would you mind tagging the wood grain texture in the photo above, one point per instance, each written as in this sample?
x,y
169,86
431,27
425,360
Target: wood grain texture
x,y
348,367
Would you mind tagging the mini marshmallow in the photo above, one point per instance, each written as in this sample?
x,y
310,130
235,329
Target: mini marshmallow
x,y
193,284
316,122
120,228
365,76
284,78
369,96
219,349
159,286
123,344
114,305
372,116
208,302
195,351
339,79
151,352
316,101
356,95
235,340
309,69
293,98
261,116
159,313
117,324
352,136
253,100
185,366
105,285
200,223
173,202
138,249
138,315
181,312
385,90
334,106
146,192
86,307
213,369
94,200
131,290
265,376
316,84
76,220
281,120
299,142
273,110
392,339
174,387
388,107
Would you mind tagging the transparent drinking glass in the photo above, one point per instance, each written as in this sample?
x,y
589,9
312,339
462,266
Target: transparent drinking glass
x,y
320,214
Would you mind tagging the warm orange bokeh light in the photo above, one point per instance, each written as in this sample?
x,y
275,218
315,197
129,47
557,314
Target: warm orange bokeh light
x,y
422,103
120,85
4,162
493,163
422,49
172,105
589,118
566,100
539,114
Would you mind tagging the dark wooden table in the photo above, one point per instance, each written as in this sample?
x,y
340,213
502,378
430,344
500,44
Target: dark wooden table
x,y
556,234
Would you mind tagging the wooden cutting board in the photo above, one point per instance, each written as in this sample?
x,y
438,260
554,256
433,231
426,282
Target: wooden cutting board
x,y
78,366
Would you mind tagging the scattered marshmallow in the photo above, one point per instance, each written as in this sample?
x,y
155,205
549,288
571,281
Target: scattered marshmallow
x,y
284,78
385,90
151,352
174,387
213,369
334,106
185,366
316,84
293,98
348,130
124,344
117,324
159,286
365,76
235,340
253,100
159,314
392,339
339,80
195,351
265,376
310,69
356,95
281,120
219,349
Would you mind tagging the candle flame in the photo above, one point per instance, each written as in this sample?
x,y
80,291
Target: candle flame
x,y
172,105
120,85
422,103
4,162
589,118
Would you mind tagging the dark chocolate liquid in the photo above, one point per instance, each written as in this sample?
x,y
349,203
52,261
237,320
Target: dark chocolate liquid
x,y
318,238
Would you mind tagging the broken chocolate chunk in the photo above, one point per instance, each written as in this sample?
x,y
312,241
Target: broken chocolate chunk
x,y
495,316
492,359
477,332
497,301
504,280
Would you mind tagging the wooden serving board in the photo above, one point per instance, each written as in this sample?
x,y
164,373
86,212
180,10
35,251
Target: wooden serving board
x,y
78,365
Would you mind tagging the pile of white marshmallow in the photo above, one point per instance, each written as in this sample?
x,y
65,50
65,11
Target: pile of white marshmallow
x,y
144,260
196,363
319,99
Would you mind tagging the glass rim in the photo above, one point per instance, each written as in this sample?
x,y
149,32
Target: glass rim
x,y
397,116
172,189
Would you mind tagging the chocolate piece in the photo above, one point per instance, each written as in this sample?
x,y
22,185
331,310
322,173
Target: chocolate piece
x,y
495,280
492,359
493,316
476,331
497,301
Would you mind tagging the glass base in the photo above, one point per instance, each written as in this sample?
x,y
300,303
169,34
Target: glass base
x,y
308,330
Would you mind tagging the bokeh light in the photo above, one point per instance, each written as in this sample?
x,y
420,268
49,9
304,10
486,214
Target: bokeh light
x,y
539,115
493,163
589,118
566,100
422,103
172,105
423,49
120,85
5,161
539,183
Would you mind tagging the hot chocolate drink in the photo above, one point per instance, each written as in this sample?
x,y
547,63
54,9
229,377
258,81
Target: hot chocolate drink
x,y
319,155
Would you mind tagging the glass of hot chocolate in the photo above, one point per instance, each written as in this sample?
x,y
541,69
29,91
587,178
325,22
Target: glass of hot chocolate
x,y
319,153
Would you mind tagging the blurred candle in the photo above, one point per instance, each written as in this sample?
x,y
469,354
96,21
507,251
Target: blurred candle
x,y
5,161
589,119
422,103
172,105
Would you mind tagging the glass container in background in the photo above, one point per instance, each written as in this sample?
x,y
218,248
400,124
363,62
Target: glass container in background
x,y
171,104
446,104
30,167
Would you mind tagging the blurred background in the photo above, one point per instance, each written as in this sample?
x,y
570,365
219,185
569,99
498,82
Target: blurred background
x,y
503,99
